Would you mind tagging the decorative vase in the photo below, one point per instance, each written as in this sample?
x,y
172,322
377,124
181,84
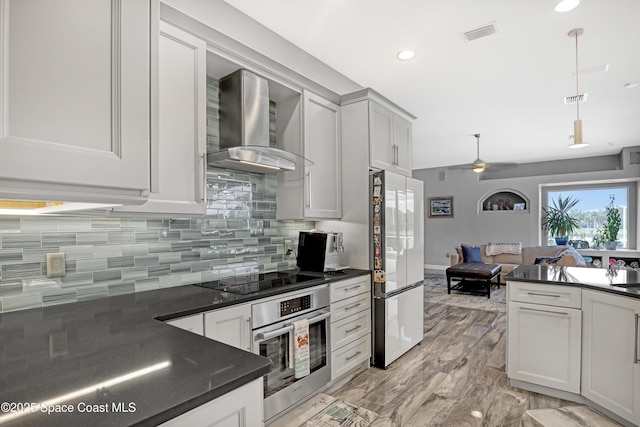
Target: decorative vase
x,y
612,245
562,241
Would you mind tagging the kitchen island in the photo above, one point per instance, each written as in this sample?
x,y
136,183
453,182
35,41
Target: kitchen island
x,y
113,361
573,333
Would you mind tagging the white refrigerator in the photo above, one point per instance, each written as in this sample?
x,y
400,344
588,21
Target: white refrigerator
x,y
397,251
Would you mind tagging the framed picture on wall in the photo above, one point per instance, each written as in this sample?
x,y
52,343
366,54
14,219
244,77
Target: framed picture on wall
x,y
440,207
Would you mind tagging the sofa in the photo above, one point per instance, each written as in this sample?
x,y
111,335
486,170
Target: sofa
x,y
510,255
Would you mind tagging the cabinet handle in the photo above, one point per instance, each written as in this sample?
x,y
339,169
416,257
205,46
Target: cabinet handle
x,y
635,347
397,156
352,306
308,189
248,332
543,295
353,329
351,288
351,357
287,329
545,311
204,178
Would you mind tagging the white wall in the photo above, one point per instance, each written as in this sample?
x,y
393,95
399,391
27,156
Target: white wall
x,y
229,21
470,226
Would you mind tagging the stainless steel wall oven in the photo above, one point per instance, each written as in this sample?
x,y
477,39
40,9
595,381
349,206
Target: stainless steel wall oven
x,y
272,338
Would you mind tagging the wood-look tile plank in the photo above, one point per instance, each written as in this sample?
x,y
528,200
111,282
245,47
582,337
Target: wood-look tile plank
x,y
571,416
455,377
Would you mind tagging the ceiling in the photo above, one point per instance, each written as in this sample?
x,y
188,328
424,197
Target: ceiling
x,y
509,86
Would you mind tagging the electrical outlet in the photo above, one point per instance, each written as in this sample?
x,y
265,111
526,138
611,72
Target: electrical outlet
x,y
288,246
55,265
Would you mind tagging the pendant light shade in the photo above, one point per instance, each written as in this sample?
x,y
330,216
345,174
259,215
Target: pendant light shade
x,y
577,124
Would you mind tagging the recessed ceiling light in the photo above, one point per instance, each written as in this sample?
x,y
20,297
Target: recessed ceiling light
x,y
566,5
631,85
406,54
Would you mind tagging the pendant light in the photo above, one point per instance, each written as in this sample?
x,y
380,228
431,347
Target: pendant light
x,y
577,124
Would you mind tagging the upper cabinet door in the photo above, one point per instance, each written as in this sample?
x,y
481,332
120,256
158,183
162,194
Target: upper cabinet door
x,y
179,128
310,125
322,145
74,84
402,145
390,140
381,138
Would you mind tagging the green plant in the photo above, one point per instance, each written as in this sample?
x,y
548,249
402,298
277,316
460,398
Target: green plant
x,y
557,220
613,221
599,239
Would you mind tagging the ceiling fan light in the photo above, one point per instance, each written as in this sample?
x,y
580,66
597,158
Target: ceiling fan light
x,y
566,5
478,166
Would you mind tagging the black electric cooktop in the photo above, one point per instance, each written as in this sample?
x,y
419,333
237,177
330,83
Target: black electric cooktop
x,y
260,282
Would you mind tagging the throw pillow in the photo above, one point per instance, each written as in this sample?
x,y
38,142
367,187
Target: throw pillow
x,y
547,260
504,248
471,254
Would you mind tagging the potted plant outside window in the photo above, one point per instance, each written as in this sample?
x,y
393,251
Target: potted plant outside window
x,y
558,221
612,224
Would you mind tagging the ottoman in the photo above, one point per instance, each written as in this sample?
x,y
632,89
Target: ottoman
x,y
477,272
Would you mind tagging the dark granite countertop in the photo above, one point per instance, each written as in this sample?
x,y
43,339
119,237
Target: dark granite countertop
x,y
115,353
621,281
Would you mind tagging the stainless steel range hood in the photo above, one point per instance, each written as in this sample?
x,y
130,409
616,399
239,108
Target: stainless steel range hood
x,y
244,127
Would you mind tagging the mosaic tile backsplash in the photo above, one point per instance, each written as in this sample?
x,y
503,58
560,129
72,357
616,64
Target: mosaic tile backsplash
x,y
109,256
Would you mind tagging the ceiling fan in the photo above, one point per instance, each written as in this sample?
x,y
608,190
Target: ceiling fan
x,y
480,165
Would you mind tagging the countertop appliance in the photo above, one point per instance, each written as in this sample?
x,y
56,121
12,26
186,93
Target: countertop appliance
x,y
397,248
272,338
320,251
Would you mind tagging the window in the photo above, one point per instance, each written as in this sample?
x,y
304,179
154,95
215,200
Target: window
x,y
590,210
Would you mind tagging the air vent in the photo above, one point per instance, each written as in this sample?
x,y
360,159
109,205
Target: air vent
x,y
484,31
575,98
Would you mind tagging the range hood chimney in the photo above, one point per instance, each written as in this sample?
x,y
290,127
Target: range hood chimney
x,y
244,127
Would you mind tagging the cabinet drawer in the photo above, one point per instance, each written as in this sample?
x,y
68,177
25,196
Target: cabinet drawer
x,y
350,287
536,293
350,306
350,356
350,329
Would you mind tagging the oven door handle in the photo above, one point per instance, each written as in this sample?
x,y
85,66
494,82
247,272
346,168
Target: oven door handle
x,y
286,329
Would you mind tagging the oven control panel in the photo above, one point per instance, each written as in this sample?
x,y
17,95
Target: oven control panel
x,y
295,305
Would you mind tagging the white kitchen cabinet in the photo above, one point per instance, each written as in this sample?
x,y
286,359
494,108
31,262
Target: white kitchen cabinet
x,y
389,130
230,325
350,324
75,90
242,407
544,345
179,128
390,147
610,353
313,191
544,335
194,323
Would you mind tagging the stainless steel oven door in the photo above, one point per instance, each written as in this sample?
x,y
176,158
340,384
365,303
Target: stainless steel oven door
x,y
281,388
